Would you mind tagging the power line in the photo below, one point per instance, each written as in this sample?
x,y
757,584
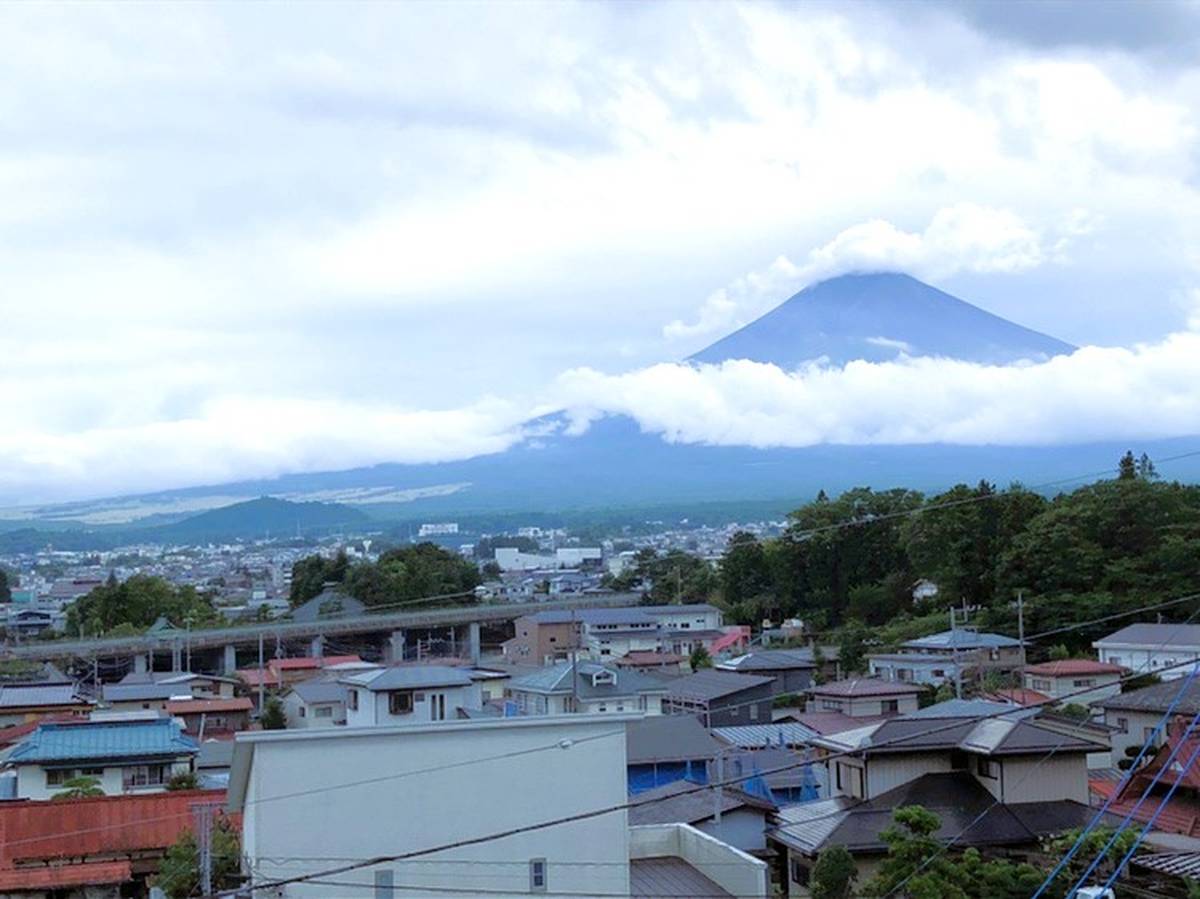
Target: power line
x,y
594,813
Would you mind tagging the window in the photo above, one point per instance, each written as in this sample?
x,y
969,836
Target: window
x,y
958,760
146,776
1116,660
986,767
799,873
400,702
384,884
303,714
1147,734
323,711
831,705
56,777
839,766
1085,682
1042,686
91,772
352,700
537,875
890,706
753,712
1123,725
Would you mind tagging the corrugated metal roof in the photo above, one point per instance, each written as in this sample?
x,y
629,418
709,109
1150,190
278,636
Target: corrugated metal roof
x,y
1178,864
25,695
669,875
753,736
108,740
771,660
962,640
59,876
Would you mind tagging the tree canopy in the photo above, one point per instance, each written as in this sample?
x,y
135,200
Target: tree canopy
x,y
135,604
411,572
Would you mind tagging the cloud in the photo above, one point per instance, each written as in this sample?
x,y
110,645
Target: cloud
x,y
960,238
1096,393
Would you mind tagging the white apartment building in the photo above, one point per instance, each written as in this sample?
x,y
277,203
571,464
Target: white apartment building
x,y
361,793
1152,648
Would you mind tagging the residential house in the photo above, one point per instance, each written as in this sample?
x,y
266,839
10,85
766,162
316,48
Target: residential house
x,y
729,814
1163,773
331,602
487,777
586,687
947,656
124,756
1152,648
791,669
24,703
99,848
315,703
279,674
1133,717
667,748
864,696
542,639
1081,681
212,764
661,663
721,698
152,691
999,781
212,717
409,694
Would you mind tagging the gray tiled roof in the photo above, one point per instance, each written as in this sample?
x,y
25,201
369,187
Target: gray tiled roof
x,y
992,736
668,738
754,736
555,679
311,691
969,708
865,686
964,806
143,692
679,802
1158,698
410,677
771,660
710,684
1156,636
669,875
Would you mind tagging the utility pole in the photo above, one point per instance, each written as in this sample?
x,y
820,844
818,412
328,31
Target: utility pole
x,y
202,818
718,790
261,684
1021,632
954,655
574,669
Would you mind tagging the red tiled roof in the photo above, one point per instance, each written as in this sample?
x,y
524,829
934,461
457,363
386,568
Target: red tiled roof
x,y
53,877
1068,667
1019,695
31,830
196,706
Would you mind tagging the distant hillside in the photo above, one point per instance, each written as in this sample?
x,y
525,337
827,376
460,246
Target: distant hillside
x,y
265,516
876,317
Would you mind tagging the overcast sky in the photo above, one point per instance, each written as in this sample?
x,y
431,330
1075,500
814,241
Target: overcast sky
x,y
244,239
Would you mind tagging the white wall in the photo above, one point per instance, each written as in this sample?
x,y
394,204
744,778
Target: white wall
x,y
1038,779
429,807
1143,661
688,618
373,706
31,780
1132,728
731,869
1105,685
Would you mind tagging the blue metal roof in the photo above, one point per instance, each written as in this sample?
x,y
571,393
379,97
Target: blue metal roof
x,y
103,740
962,639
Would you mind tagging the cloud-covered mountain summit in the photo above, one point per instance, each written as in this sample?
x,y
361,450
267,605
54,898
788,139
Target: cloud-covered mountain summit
x,y
876,317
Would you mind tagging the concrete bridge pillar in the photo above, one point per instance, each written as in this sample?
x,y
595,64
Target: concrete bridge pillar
x,y
229,660
394,651
473,642
176,656
141,663
316,648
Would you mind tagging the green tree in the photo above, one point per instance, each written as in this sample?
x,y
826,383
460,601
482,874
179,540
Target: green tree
x,y
273,717
1059,652
184,780
700,659
135,604
852,647
179,871
1127,467
79,788
411,572
744,571
312,573
833,874
5,587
